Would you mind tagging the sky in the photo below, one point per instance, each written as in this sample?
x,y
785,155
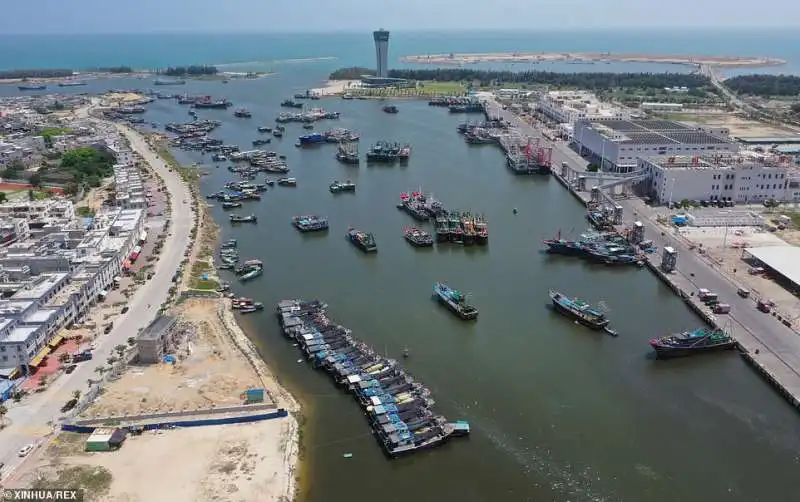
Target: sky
x,y
266,16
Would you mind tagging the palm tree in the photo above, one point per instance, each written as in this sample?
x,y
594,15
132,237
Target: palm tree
x,y
3,411
76,395
100,370
120,349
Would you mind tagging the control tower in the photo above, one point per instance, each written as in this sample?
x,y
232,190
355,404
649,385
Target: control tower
x,y
381,52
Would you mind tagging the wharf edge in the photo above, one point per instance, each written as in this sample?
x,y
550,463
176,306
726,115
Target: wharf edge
x,y
780,374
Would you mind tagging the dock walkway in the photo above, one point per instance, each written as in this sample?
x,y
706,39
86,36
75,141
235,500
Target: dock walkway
x,y
769,345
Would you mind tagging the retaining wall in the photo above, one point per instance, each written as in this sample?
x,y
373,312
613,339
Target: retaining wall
x,y
280,413
177,414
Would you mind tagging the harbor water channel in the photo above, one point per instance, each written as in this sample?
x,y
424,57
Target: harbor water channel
x,y
557,412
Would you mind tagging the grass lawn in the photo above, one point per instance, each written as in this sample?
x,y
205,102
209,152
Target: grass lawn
x,y
438,88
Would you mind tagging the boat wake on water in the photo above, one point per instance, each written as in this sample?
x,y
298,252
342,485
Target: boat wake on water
x,y
568,480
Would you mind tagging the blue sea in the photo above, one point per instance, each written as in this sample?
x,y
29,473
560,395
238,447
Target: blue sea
x,y
276,52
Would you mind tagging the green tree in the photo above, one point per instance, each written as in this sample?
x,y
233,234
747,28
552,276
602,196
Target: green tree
x,y
35,180
31,195
3,197
87,165
72,189
13,169
3,412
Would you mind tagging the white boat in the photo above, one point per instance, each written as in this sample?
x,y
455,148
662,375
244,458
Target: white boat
x,y
290,182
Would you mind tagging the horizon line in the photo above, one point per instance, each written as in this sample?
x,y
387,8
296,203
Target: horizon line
x,y
353,31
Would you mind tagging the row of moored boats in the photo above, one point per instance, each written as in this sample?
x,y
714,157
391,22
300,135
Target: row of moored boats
x,y
398,408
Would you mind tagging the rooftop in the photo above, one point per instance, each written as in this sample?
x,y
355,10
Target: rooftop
x,y
746,160
157,328
21,333
654,131
783,259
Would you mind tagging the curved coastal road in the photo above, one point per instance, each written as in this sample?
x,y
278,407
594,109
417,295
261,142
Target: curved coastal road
x,y
34,418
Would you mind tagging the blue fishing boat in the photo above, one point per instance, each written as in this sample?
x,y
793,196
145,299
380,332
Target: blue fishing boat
x,y
314,138
579,310
455,301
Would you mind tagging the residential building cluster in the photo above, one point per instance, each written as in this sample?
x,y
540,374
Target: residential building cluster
x,y
55,265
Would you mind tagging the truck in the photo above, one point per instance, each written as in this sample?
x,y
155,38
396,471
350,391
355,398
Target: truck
x,y
80,356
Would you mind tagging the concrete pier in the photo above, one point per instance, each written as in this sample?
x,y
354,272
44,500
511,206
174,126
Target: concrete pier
x,y
768,344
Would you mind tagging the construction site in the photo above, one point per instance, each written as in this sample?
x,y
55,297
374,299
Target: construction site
x,y
204,373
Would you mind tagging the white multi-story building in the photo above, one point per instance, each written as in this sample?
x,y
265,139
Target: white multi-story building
x,y
615,145
55,276
55,208
568,107
129,187
742,178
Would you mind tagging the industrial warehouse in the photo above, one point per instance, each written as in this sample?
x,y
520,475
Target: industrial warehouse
x,y
615,145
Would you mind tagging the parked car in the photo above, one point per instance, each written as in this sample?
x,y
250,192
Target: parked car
x,y
25,450
124,309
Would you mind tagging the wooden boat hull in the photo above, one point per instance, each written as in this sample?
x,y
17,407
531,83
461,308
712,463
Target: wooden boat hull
x,y
670,352
572,315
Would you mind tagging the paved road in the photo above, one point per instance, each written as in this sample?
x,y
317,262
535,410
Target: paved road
x,y
33,419
752,327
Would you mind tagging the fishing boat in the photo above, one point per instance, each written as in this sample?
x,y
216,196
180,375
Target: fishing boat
x,y
362,240
207,103
481,231
310,223
442,228
264,129
277,133
231,205
32,87
308,126
72,83
291,104
692,342
347,153
383,152
287,182
455,301
579,310
242,113
251,273
418,237
338,186
263,141
163,81
235,218
315,138
390,109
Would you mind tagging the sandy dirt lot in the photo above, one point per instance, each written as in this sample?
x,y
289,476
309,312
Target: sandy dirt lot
x,y
210,371
730,260
241,463
738,127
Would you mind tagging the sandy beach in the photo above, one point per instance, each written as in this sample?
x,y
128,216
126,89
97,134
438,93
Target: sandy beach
x,y
533,57
334,87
